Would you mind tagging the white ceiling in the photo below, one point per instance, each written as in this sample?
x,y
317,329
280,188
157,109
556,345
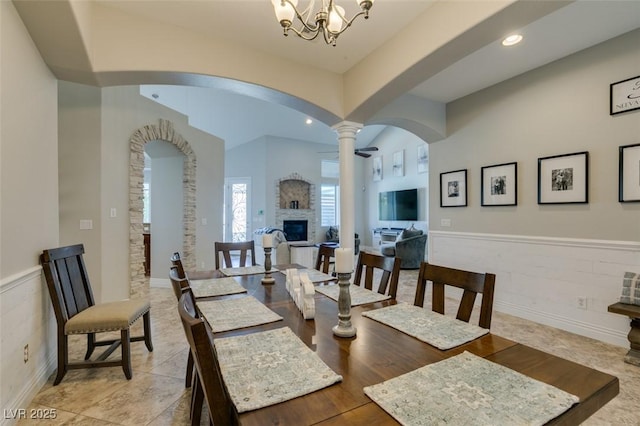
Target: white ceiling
x,y
239,119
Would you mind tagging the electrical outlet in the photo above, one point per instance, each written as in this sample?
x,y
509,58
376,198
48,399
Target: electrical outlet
x,y
581,302
26,353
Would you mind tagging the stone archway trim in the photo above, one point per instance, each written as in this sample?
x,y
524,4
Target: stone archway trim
x,y
139,284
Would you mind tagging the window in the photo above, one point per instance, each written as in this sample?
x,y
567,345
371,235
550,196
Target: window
x,y
146,202
329,194
329,204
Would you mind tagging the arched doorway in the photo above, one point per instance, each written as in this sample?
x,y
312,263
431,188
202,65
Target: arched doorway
x,y
163,131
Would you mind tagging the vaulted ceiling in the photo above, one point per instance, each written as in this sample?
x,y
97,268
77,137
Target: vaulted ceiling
x,y
408,57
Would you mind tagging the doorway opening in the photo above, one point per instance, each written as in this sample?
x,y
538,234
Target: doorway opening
x,y
237,209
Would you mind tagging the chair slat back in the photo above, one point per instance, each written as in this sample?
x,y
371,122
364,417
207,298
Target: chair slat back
x,y
67,280
177,262
199,336
323,259
472,284
246,248
389,272
179,285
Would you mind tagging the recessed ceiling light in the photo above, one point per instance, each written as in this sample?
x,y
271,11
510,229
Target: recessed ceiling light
x,y
309,121
512,39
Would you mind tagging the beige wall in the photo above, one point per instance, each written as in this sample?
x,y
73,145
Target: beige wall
x,y
28,211
557,109
29,149
79,163
122,111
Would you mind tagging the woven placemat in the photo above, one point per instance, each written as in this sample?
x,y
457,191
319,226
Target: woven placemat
x,y
268,367
231,314
216,287
245,270
359,295
438,330
469,390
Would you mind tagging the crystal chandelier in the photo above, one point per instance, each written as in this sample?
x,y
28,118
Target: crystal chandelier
x,y
329,20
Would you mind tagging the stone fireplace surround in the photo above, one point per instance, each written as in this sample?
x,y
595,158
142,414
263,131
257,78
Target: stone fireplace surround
x,y
296,188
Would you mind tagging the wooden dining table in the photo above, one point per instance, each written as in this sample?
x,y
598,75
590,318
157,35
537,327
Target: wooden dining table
x,y
379,352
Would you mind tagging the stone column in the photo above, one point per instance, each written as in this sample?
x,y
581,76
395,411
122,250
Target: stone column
x,y
347,131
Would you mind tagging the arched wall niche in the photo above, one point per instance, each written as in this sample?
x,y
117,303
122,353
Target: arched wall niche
x,y
164,131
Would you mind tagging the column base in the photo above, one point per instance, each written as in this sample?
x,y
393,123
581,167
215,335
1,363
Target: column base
x,y
342,331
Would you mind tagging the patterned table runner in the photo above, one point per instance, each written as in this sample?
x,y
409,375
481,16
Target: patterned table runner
x,y
269,367
316,276
469,390
231,314
216,287
359,295
245,270
431,327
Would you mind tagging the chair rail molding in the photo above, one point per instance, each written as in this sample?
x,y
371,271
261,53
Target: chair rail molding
x,y
547,279
21,277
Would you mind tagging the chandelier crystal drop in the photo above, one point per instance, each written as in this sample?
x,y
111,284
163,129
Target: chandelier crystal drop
x,y
330,19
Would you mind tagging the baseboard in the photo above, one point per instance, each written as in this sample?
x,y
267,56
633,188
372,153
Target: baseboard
x,y
604,334
160,282
25,395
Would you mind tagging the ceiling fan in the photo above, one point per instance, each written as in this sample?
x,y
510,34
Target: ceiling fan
x,y
362,152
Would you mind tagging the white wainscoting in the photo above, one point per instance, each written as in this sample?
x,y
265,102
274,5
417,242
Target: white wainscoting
x,y
542,278
26,318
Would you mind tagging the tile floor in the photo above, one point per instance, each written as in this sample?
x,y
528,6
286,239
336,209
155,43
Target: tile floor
x,y
156,394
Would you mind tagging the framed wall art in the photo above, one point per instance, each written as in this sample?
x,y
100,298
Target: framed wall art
x,y
398,163
453,188
563,179
629,174
624,96
499,185
377,169
423,158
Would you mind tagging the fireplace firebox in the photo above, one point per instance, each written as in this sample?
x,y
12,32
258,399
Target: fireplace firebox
x,y
295,230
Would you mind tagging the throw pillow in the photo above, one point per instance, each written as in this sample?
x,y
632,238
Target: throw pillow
x,y
631,289
332,233
411,232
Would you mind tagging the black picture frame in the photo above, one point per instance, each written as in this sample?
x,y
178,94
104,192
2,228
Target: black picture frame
x,y
564,179
499,185
453,188
624,96
629,173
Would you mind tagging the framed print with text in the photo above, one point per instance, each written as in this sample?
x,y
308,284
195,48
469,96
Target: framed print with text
x,y
564,179
629,174
453,188
499,185
624,96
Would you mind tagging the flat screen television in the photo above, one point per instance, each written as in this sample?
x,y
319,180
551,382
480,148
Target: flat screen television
x,y
398,205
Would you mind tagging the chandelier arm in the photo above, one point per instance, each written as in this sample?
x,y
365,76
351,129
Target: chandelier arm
x,y
301,34
348,24
303,20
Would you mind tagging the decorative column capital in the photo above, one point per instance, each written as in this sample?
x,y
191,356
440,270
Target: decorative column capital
x,y
347,129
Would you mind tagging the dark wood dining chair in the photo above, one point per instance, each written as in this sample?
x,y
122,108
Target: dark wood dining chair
x,y
325,257
387,267
176,261
208,383
181,286
77,313
246,249
472,284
